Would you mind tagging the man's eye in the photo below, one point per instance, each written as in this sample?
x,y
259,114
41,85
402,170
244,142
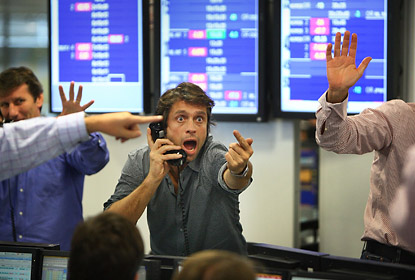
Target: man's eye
x,y
199,119
4,105
180,119
19,101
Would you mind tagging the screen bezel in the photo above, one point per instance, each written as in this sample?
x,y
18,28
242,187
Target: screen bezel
x,y
145,59
394,66
50,253
262,114
35,252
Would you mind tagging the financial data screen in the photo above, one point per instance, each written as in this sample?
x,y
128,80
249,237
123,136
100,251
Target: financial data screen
x,y
98,44
55,268
15,265
214,44
306,29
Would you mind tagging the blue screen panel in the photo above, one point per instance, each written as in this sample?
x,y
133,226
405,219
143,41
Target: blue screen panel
x,y
307,27
99,45
214,44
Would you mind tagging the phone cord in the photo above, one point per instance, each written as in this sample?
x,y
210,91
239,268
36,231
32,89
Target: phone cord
x,y
181,202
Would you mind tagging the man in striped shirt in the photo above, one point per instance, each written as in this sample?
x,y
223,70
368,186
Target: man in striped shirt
x,y
389,130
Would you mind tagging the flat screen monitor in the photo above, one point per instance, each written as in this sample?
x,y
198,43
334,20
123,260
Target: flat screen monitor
x,y
18,262
101,45
302,30
218,45
54,265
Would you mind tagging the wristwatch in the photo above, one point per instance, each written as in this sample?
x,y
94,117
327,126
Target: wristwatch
x,y
242,174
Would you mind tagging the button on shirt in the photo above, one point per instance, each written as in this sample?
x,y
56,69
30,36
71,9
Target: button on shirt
x,y
389,130
47,199
205,212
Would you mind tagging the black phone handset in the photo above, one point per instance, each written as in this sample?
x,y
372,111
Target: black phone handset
x,y
5,121
157,132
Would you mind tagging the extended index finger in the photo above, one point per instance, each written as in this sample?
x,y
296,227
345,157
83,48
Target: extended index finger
x,y
148,119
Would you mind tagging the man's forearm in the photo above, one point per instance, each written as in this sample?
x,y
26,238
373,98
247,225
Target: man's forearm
x,y
29,143
237,182
133,205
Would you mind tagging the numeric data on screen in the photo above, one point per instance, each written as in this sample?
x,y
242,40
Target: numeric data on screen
x,y
307,27
214,44
98,44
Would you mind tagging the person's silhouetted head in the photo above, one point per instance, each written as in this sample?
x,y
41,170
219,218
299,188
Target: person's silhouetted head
x,y
107,246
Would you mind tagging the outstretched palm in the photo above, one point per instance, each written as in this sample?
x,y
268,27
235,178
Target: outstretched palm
x,y
341,69
72,105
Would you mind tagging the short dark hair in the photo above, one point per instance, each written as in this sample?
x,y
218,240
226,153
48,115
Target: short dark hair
x,y
189,93
14,77
105,247
216,265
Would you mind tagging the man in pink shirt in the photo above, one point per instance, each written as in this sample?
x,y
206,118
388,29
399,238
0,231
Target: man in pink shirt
x,y
389,130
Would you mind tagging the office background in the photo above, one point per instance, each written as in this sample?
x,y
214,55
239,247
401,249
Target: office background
x,y
269,208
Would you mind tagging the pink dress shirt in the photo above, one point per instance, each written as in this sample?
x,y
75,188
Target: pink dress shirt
x,y
403,206
389,130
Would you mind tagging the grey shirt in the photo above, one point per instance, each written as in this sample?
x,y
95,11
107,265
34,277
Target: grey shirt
x,y
205,212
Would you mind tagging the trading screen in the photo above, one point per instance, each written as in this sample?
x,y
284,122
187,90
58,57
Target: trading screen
x,y
55,268
98,44
214,44
15,266
306,29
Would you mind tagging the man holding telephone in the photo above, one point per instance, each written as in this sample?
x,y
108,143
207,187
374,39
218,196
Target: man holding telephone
x,y
192,204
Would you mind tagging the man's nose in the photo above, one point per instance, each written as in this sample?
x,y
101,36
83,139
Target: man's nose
x,y
13,112
191,126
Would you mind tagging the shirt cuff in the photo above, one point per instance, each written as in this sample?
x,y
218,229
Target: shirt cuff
x,y
326,107
72,130
223,184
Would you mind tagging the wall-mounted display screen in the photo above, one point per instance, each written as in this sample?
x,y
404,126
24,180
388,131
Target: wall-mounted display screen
x,y
217,45
305,29
100,45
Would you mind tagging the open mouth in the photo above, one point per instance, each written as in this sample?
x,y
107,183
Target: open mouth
x,y
190,145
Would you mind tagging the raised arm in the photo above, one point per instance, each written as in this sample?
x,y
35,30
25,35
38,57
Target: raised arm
x,y
26,144
342,73
122,125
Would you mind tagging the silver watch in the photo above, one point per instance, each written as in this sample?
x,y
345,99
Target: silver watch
x,y
242,174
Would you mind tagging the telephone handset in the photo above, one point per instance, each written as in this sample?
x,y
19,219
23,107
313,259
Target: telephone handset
x,y
158,132
5,121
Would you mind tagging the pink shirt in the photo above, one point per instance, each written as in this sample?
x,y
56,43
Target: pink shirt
x,y
389,130
403,206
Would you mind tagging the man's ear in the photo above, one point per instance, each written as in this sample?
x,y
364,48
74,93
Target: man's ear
x,y
39,101
136,276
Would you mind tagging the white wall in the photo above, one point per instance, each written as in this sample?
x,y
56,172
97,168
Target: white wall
x,y
343,192
267,207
